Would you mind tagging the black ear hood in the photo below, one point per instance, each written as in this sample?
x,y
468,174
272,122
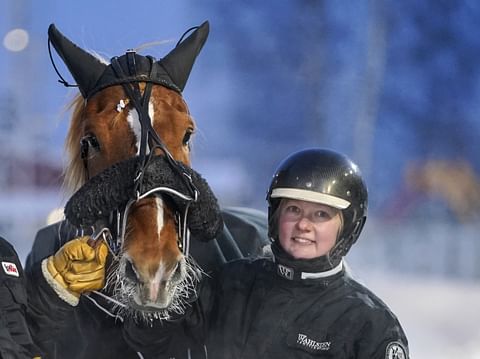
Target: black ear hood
x,y
113,188
92,75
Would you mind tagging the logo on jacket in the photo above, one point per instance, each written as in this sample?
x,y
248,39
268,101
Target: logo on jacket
x,y
10,269
305,341
285,271
395,350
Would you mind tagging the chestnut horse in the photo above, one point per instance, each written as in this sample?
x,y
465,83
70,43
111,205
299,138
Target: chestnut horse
x,y
129,163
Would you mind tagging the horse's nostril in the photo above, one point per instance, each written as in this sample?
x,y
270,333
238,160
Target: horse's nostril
x,y
130,272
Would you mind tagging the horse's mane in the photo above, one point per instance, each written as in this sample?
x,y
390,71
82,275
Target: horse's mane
x,y
74,175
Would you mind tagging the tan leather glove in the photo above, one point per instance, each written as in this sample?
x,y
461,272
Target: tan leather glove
x,y
76,268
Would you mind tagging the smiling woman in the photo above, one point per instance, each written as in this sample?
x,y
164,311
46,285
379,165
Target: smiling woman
x,y
302,304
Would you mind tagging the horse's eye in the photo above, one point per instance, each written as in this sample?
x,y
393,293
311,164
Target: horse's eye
x,y
188,135
87,143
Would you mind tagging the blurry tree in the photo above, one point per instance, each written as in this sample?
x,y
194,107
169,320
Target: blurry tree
x,y
8,113
381,80
369,96
431,85
8,119
278,61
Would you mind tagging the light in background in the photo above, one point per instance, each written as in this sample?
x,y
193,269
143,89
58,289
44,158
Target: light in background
x,y
16,40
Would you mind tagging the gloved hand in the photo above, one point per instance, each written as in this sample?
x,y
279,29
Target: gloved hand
x,y
76,268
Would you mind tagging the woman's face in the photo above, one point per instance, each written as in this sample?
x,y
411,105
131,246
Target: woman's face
x,y
307,229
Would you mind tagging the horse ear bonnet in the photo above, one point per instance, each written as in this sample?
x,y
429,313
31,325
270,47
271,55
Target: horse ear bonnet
x,y
92,75
113,188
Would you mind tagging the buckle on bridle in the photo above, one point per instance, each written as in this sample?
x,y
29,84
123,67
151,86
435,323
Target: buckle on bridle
x,y
191,186
104,235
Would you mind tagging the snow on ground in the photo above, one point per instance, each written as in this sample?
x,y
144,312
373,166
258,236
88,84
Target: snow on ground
x,y
440,317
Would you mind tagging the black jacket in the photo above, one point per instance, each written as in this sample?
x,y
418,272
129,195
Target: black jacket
x,y
250,311
15,338
89,330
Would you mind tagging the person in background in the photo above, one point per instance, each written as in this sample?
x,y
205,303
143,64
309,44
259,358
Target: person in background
x,y
15,339
301,303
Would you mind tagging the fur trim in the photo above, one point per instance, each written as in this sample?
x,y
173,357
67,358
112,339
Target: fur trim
x,y
114,187
63,293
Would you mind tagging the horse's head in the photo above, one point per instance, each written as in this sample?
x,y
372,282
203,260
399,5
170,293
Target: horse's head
x,y
130,113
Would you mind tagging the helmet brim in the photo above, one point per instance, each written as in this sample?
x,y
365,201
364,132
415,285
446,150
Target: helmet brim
x,y
310,196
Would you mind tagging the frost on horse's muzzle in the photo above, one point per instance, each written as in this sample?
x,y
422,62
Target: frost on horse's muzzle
x,y
113,188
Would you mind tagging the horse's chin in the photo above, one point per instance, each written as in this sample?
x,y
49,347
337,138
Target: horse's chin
x,y
149,307
142,304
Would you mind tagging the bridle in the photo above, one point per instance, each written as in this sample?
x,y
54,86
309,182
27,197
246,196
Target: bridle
x,y
149,140
114,231
126,72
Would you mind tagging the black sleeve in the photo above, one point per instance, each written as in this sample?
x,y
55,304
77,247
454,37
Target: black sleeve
x,y
382,338
47,241
48,316
9,348
15,338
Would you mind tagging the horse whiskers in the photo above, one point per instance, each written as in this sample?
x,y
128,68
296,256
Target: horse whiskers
x,y
112,273
124,290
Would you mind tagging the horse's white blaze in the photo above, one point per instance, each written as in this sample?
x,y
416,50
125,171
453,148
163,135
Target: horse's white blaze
x,y
151,112
159,275
155,283
134,122
159,203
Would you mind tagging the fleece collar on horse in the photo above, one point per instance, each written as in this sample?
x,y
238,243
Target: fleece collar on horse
x,y
112,189
92,75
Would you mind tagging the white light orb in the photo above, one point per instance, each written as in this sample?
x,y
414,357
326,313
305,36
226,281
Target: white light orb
x,y
16,40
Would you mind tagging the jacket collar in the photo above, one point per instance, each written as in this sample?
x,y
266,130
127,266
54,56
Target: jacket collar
x,y
291,268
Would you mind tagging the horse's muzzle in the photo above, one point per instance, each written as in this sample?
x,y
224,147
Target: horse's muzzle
x,y
155,292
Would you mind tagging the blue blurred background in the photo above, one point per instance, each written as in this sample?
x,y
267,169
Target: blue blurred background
x,y
393,84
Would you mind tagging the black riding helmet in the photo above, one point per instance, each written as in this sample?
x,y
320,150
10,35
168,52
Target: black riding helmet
x,y
327,177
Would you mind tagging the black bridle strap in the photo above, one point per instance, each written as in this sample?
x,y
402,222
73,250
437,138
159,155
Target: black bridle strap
x,y
149,136
62,80
140,103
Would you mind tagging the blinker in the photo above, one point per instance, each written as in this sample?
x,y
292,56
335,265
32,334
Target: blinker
x,y
92,75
